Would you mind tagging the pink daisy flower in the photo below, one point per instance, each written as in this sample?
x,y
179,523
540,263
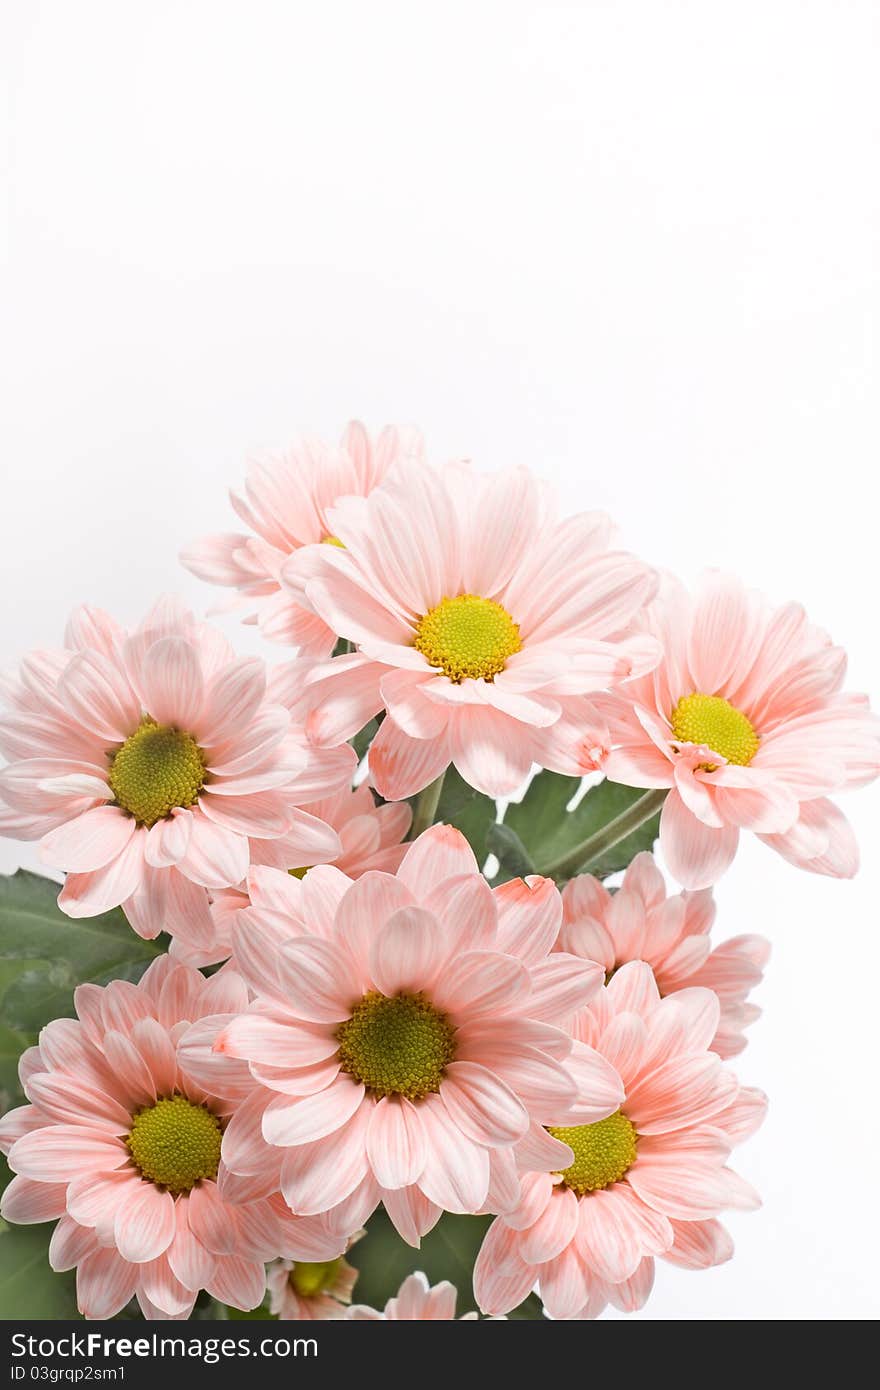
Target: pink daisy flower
x,y
480,623
318,1290
745,721
121,1144
405,1037
639,922
415,1301
287,498
649,1180
370,837
145,762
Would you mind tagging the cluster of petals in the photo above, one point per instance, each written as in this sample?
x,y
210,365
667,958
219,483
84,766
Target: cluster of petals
x,y
311,1292
85,1081
286,505
431,536
370,837
688,1111
415,1301
785,676
672,934
71,710
311,950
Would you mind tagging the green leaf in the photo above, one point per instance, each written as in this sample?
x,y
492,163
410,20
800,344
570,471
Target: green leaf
x,y
468,810
29,1289
44,955
447,1252
361,742
12,1045
548,830
513,858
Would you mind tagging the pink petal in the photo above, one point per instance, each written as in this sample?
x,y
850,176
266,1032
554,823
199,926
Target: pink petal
x,y
529,917
70,1245
501,1278
27,1202
401,766
61,1152
89,841
554,1229
364,910
481,982
319,1175
144,1224
319,980
288,1122
240,1283
439,853
104,1284
396,1144
456,1173
188,1260
87,895
408,952
216,857
171,683
482,1106
97,694
696,855
411,1213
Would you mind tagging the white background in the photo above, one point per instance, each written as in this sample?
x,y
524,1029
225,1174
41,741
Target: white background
x,y
633,245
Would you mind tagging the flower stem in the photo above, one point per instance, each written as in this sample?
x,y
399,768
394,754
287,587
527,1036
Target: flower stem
x,y
595,845
426,807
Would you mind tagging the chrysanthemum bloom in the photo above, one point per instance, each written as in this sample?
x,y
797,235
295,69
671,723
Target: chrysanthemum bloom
x,y
311,1289
370,837
481,624
415,1301
639,922
287,497
406,1036
745,721
123,1145
144,763
649,1180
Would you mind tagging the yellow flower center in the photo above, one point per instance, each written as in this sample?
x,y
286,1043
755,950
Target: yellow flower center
x,y
398,1046
299,873
175,1143
333,540
712,720
468,638
308,1280
603,1152
157,769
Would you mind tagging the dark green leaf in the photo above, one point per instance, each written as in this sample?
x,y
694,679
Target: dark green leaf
x,y
468,810
44,955
548,830
12,1045
361,742
29,1289
447,1252
513,858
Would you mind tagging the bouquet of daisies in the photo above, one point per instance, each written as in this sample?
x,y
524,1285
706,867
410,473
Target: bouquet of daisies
x,y
323,983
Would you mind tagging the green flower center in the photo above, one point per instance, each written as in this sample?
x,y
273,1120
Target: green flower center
x,y
308,1280
398,1046
157,769
603,1152
175,1143
468,638
711,720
